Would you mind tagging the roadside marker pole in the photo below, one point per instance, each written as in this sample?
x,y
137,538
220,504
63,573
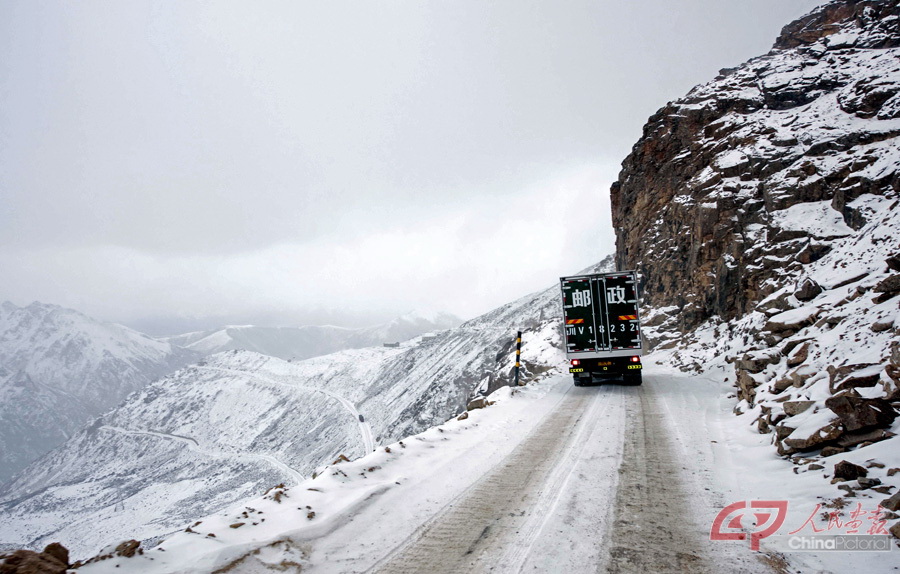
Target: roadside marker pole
x,y
518,353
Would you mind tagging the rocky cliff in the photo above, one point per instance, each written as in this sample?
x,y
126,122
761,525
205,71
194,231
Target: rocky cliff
x,y
700,205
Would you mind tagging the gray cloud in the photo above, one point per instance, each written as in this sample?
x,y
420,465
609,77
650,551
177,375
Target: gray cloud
x,y
240,159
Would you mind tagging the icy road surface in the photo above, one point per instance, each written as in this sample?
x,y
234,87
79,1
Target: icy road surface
x,y
551,478
592,482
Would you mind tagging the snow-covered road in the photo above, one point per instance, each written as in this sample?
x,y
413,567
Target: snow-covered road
x,y
552,478
593,485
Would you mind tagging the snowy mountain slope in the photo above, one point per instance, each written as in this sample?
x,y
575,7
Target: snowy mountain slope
x,y
214,433
298,343
59,368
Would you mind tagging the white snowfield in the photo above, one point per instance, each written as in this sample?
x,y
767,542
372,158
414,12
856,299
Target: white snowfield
x,y
550,478
365,431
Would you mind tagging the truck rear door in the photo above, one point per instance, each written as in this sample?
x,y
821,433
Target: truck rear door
x,y
601,313
580,302
620,310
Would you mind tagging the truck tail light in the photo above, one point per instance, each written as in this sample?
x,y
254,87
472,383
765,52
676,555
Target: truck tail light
x,y
635,359
575,362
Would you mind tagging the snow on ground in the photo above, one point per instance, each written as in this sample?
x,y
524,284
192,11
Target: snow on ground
x,y
548,463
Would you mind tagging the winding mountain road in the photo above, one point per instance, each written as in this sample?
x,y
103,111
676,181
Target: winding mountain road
x,y
196,447
365,431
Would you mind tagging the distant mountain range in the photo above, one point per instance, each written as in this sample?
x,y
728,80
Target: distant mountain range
x,y
59,368
298,343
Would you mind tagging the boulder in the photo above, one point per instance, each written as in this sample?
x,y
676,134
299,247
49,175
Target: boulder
x,y
893,262
782,384
29,562
796,378
58,551
746,384
783,431
807,290
792,320
833,450
814,432
848,471
882,325
851,439
891,284
865,482
887,288
792,408
476,403
799,355
853,376
757,361
857,413
892,503
128,548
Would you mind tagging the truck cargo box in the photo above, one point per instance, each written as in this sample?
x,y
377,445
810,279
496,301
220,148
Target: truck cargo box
x,y
602,325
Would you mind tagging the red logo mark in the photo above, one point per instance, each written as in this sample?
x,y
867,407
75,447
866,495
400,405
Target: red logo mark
x,y
766,522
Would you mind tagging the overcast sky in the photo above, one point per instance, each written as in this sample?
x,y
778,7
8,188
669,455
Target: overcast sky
x,y
172,165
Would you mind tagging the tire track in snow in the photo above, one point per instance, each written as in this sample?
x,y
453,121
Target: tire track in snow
x,y
651,517
193,445
365,430
656,528
492,526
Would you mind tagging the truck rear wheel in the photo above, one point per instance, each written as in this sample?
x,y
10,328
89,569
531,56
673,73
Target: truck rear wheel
x,y
634,379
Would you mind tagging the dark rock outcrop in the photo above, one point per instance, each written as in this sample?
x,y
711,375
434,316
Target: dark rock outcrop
x,y
53,560
857,413
848,471
712,205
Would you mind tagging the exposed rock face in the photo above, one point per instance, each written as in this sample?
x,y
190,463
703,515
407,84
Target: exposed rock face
x,y
53,560
755,173
857,413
